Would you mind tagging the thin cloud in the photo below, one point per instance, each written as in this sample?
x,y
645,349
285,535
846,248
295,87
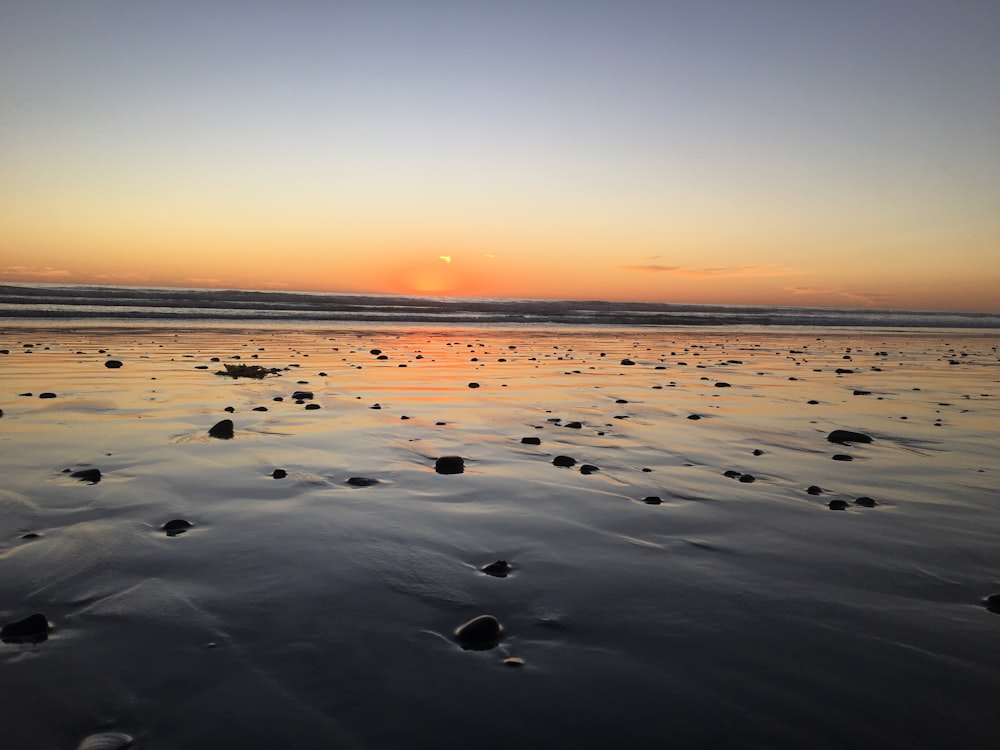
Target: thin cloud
x,y
713,272
866,298
34,273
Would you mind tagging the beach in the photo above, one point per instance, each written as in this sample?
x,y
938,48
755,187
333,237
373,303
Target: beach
x,y
693,562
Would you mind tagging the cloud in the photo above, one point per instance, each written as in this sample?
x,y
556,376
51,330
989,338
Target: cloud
x,y
203,281
490,256
34,273
866,298
707,273
445,258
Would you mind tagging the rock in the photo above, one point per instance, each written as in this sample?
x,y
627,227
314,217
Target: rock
x,y
256,408
814,490
627,361
992,603
222,430
112,364
32,629
862,393
92,476
844,371
279,473
837,505
588,469
748,478
497,569
361,481
229,409
845,437
694,417
758,452
312,407
375,352
564,461
843,457
47,394
302,396
473,385
531,441
106,741
574,425
865,502
652,500
31,535
450,465
479,633
732,474
514,661
722,384
176,527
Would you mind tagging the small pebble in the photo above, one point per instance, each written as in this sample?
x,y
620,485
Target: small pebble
x,y
837,505
32,629
279,473
564,461
91,476
652,500
450,465
479,633
222,430
112,364
176,527
531,441
497,569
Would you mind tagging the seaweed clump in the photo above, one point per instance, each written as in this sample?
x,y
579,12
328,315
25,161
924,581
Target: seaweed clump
x,y
247,371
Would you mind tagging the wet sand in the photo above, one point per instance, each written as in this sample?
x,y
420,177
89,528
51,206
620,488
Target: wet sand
x,y
301,608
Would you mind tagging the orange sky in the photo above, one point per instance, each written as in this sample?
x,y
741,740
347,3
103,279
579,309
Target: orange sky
x,y
665,153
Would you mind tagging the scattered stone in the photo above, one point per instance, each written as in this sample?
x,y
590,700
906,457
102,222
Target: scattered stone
x,y
91,476
814,490
450,465
361,481
106,741
694,417
375,406
564,461
279,473
222,430
229,409
531,441
732,474
480,633
758,452
312,407
652,500
112,364
627,362
992,603
302,396
176,527
722,384
32,629
845,437
473,385
588,469
246,371
47,394
865,502
574,425
748,478
837,505
260,408
842,457
31,535
497,569
844,371
862,393
375,352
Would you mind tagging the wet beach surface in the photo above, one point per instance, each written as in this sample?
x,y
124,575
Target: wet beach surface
x,y
710,570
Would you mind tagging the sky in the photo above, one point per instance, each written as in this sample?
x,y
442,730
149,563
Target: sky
x,y
776,152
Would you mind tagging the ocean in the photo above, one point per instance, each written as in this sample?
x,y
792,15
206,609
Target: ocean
x,y
115,303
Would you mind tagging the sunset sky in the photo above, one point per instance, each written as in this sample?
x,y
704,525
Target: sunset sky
x,y
745,151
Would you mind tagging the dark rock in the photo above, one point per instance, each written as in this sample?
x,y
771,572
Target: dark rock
x,y
480,633
621,401
627,362
229,409
112,364
992,603
845,437
814,490
222,430
837,505
279,473
865,502
812,402
312,407
92,476
862,393
732,474
302,395
844,371
176,526
574,425
361,481
531,441
31,535
748,478
497,569
694,417
652,500
47,394
564,461
32,629
758,452
376,352
842,457
588,469
260,408
473,385
721,384
375,406
450,465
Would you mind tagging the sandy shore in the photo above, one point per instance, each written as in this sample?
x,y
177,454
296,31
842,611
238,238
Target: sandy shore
x,y
308,610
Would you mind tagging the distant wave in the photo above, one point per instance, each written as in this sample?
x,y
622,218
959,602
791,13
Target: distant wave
x,y
52,302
